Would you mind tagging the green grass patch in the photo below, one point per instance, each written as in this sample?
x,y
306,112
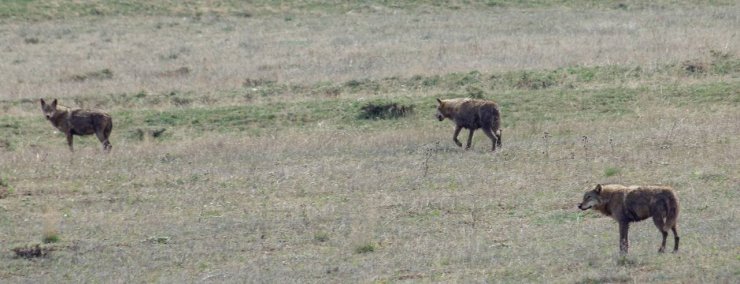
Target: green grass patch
x,y
4,182
50,238
5,189
269,115
525,97
611,171
719,92
542,105
518,106
93,75
10,125
321,237
606,279
366,248
161,240
560,217
710,177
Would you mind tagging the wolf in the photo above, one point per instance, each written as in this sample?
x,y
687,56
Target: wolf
x,y
628,204
79,122
472,114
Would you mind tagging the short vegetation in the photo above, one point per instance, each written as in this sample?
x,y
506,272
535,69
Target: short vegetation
x,y
283,142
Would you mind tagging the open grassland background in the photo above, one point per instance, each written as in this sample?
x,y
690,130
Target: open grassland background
x,y
215,52
265,171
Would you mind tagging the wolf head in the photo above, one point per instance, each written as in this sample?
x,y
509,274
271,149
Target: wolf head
x,y
49,109
592,199
440,110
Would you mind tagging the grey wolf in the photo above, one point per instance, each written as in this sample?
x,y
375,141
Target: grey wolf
x,y
472,114
79,122
628,204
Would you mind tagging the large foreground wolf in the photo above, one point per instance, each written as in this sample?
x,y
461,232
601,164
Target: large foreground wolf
x,y
472,114
628,204
79,122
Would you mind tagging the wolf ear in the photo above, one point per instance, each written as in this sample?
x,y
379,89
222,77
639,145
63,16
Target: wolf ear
x,y
54,103
598,188
42,102
439,101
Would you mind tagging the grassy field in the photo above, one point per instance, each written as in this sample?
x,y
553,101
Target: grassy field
x,y
244,151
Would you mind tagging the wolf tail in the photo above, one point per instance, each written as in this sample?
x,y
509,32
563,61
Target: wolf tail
x,y
672,212
108,127
497,125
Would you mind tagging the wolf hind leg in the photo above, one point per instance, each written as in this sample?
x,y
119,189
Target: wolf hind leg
x,y
675,238
103,137
494,138
658,220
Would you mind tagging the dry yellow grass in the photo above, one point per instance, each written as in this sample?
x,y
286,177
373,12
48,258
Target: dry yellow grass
x,y
344,200
222,52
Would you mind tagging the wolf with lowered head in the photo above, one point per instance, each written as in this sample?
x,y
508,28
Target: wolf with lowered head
x,y
634,203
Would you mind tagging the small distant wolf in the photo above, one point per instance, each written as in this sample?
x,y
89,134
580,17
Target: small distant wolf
x,y
472,114
628,204
79,122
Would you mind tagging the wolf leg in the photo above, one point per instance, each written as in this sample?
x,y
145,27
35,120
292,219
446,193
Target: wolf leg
x,y
658,220
494,138
624,242
69,141
101,134
662,244
675,238
470,139
454,136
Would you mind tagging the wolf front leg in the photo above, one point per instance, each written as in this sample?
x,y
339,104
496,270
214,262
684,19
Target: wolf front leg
x,y
69,141
470,139
454,136
624,242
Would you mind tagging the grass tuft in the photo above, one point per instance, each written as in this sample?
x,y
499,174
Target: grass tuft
x,y
367,248
385,110
161,240
50,237
94,75
321,237
611,171
606,279
32,251
51,223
